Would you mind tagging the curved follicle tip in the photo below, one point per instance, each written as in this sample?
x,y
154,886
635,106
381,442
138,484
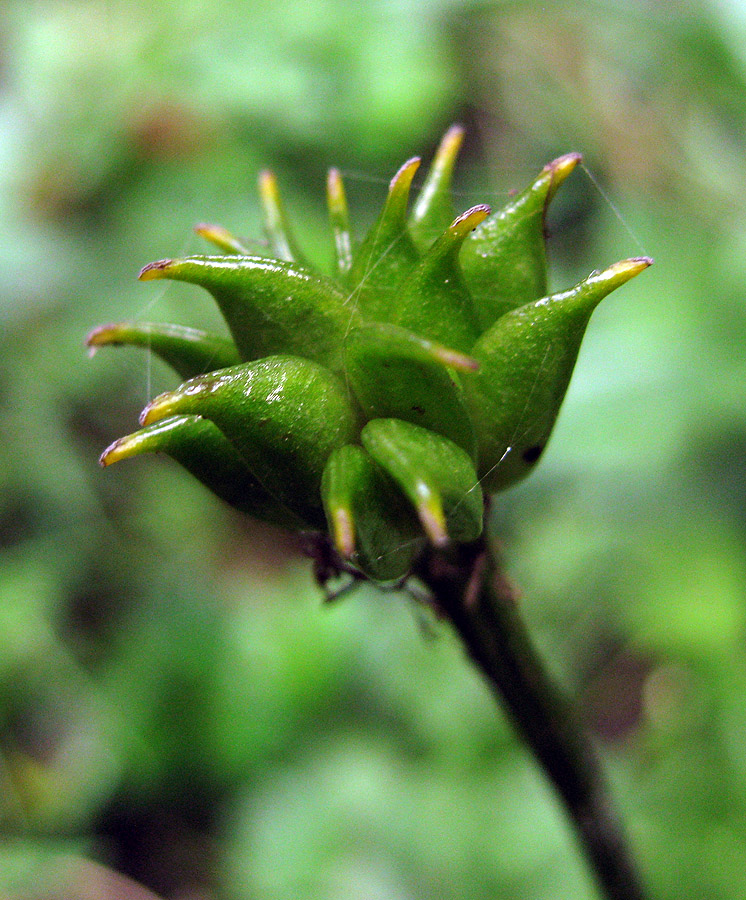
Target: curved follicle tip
x,y
105,334
147,440
161,406
621,272
123,448
402,181
450,144
468,221
558,170
158,269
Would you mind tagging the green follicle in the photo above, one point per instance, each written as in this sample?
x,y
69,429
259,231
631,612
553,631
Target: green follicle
x,y
527,359
199,446
395,373
270,306
339,219
380,401
283,414
433,209
504,259
387,253
279,234
188,351
368,517
222,239
435,300
435,474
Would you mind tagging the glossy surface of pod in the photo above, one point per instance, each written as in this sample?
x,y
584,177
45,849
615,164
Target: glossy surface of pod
x,y
394,373
504,259
526,360
284,415
378,401
270,306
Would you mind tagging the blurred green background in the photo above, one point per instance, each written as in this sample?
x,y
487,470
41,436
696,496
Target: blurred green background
x,y
176,704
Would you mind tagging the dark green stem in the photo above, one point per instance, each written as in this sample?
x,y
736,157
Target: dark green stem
x,y
470,590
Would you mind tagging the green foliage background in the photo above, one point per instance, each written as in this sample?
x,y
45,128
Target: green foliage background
x,y
175,703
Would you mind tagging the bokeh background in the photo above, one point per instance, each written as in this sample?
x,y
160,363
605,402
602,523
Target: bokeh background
x,y
177,706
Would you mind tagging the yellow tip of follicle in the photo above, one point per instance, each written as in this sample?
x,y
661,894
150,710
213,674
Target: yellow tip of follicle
x,y
123,448
269,190
343,529
621,272
632,266
563,165
162,406
101,335
558,170
451,142
403,178
157,269
335,187
468,221
432,517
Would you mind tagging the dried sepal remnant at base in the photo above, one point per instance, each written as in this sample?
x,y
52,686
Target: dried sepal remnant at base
x,y
381,399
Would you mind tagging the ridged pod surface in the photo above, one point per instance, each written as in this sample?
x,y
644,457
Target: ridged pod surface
x,y
383,399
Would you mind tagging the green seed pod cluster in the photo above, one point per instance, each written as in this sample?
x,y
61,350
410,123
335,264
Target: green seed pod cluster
x,y
382,400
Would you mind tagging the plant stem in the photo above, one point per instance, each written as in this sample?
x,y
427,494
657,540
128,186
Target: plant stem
x,y
469,589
